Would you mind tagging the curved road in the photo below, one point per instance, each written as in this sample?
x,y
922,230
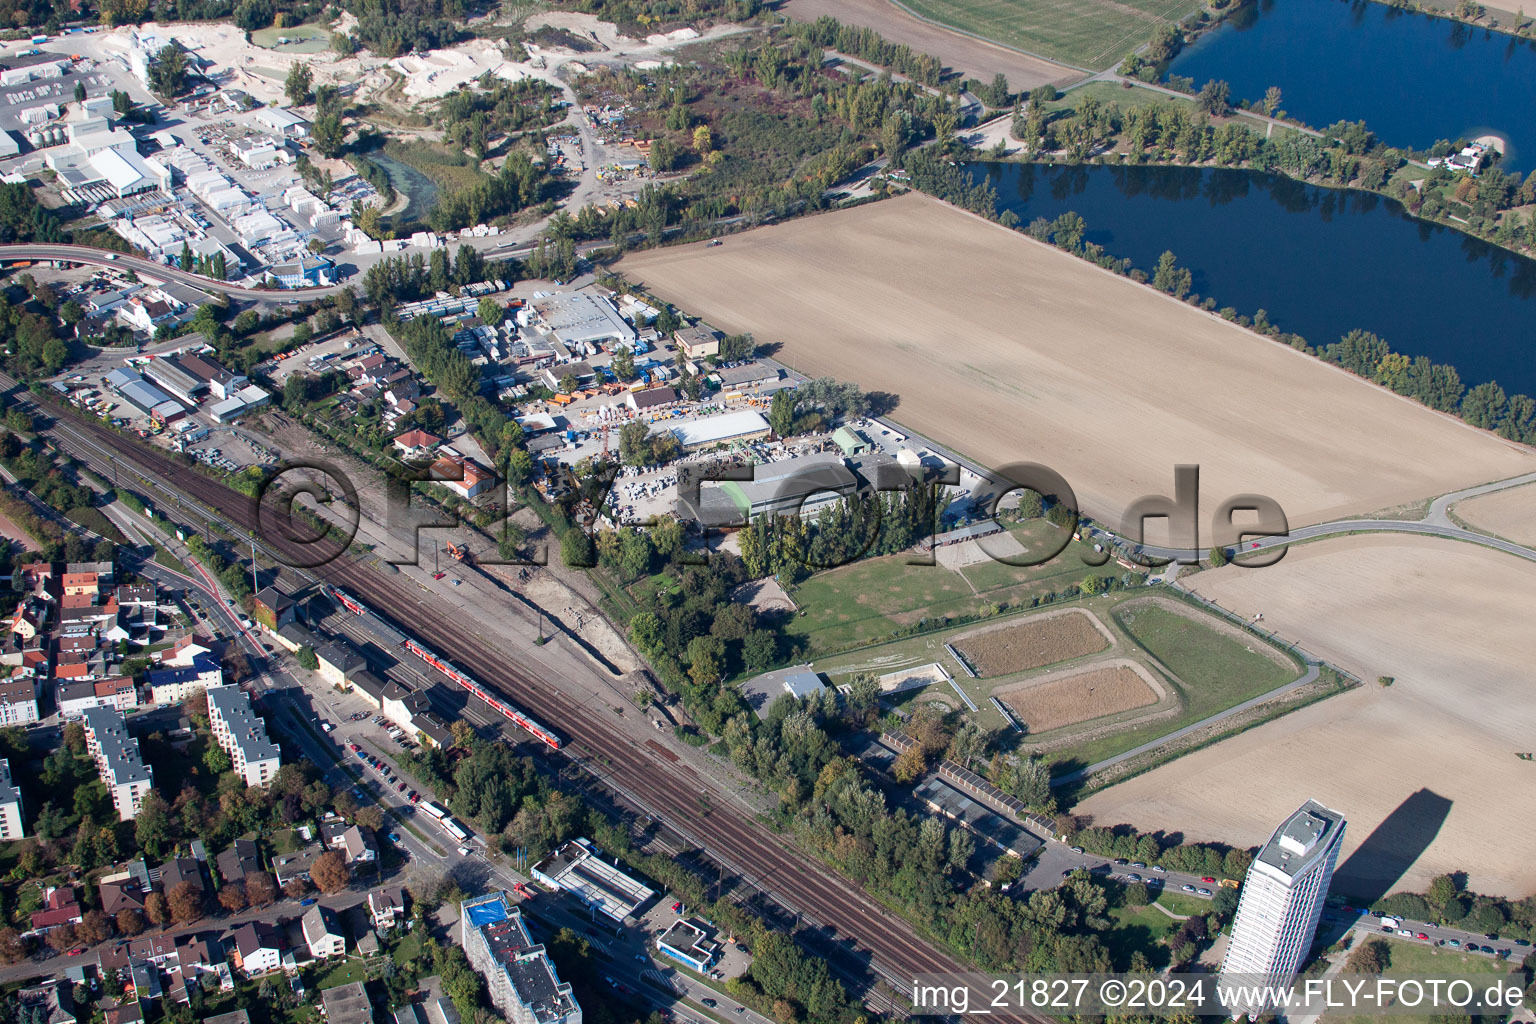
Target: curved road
x,y
1435,523
139,265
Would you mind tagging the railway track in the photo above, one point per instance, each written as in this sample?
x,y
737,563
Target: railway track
x,y
847,921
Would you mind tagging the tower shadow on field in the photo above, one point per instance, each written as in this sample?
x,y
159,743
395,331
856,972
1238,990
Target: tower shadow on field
x,y
1377,865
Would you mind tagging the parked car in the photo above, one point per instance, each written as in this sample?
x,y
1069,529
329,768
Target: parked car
x,y
1202,892
1188,888
1159,869
308,901
1422,937
1208,880
1077,849
463,851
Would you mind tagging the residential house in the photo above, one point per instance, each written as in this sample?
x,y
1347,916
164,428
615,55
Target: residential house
x,y
18,697
239,860
120,892
242,734
355,841
59,908
258,948
347,1004
175,684
386,906
288,866
323,933
178,870
118,760
53,1001
184,652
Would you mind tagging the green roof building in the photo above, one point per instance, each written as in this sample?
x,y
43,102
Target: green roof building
x,y
852,442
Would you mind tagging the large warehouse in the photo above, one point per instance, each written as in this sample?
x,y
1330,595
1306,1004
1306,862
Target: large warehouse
x,y
712,430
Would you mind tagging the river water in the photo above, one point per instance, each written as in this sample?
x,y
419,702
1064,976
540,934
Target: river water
x,y
1411,77
1320,261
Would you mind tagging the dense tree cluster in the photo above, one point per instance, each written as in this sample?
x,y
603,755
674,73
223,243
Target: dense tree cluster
x,y
475,118
518,185
867,44
1125,842
864,525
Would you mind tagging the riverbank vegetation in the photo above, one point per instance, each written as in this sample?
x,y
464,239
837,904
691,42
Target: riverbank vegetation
x,y
761,127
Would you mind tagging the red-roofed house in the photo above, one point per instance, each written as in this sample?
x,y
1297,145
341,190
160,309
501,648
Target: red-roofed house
x,y
462,476
59,907
24,622
80,583
414,444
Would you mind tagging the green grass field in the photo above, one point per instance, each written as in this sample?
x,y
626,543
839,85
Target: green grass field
x,y
1200,656
1212,670
1139,929
1087,33
1417,960
95,520
870,599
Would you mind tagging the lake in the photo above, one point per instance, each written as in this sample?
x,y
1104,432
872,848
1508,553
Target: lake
x,y
1320,261
1411,77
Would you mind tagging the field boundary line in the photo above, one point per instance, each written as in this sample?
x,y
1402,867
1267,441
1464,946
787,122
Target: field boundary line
x,y
983,39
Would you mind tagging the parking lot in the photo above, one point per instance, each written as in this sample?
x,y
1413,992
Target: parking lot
x,y
230,449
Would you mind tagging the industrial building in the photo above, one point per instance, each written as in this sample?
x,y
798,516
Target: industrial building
x,y
583,321
689,945
1282,901
143,396
729,428
308,271
242,734
27,67
192,378
283,121
238,404
118,760
518,973
577,869
697,342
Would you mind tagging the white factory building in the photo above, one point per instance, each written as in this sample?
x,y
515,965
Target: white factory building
x,y
100,162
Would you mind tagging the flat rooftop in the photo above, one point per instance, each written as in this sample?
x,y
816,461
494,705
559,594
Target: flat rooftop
x,y
578,870
1302,839
977,817
527,966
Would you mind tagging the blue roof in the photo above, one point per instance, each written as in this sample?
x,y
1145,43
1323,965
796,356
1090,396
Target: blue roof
x,y
200,664
482,914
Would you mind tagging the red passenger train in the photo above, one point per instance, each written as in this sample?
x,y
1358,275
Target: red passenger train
x,y
504,707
